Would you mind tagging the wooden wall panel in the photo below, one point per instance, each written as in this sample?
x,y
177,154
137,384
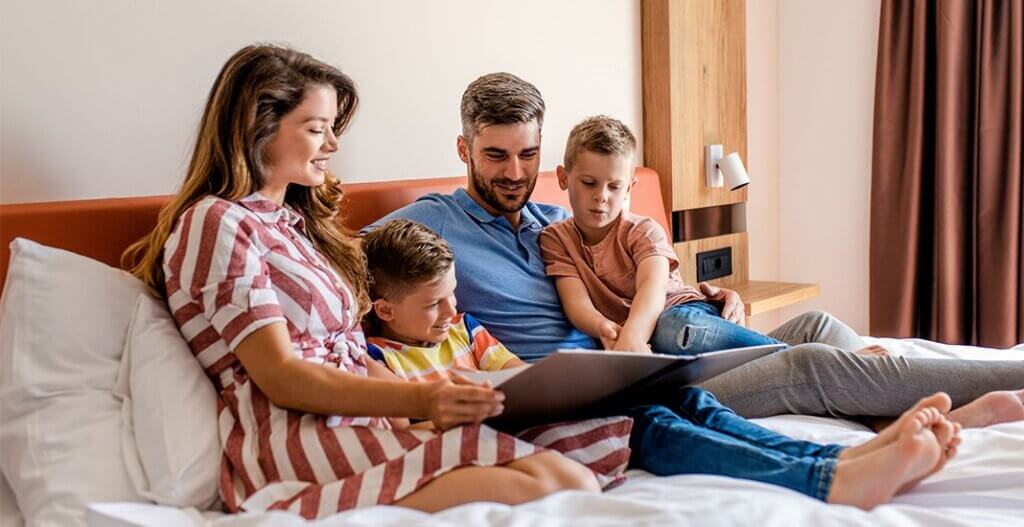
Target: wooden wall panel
x,y
687,253
695,93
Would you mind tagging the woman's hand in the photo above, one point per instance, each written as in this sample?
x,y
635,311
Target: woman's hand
x,y
458,400
609,332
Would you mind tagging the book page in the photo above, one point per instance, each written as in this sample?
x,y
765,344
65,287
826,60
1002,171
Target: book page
x,y
496,377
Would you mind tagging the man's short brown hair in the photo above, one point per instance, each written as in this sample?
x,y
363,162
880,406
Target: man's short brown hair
x,y
600,134
499,98
402,254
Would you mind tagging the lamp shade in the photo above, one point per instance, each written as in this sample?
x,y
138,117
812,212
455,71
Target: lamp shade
x,y
735,174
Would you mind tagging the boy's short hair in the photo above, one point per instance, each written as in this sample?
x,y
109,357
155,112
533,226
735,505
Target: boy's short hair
x,y
402,254
600,134
499,98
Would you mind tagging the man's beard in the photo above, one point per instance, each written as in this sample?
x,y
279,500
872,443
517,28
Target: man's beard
x,y
492,198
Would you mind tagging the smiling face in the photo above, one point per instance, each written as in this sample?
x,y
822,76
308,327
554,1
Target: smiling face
x,y
300,149
598,185
422,316
503,161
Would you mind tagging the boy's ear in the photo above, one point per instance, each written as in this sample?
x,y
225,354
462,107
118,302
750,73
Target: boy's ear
x,y
563,177
383,310
463,147
632,183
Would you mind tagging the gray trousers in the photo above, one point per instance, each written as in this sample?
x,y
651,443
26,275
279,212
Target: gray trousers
x,y
820,375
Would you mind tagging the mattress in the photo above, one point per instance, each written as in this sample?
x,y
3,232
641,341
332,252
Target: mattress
x,y
983,485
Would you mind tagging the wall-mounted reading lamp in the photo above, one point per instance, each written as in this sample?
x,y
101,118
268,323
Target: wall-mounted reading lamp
x,y
727,171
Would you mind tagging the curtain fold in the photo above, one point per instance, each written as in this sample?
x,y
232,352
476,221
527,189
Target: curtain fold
x,y
946,193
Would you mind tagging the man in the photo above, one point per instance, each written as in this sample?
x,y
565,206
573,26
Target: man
x,y
493,229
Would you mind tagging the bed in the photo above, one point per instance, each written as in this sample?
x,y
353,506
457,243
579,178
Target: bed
x,y
984,485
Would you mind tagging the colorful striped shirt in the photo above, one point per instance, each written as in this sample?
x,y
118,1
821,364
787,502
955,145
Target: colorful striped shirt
x,y
469,346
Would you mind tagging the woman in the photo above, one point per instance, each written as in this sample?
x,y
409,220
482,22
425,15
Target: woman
x,y
269,294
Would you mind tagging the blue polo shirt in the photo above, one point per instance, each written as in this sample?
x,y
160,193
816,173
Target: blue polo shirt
x,y
500,272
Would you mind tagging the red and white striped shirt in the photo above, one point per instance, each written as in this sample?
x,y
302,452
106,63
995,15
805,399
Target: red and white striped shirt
x,y
235,267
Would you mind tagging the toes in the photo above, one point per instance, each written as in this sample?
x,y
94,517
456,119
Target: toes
x,y
938,400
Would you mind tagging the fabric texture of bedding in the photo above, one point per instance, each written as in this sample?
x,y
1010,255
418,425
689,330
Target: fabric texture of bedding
x,y
983,485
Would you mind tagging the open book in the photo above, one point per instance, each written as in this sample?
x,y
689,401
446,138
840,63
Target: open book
x,y
573,384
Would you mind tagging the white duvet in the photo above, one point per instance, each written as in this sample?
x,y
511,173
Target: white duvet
x,y
984,485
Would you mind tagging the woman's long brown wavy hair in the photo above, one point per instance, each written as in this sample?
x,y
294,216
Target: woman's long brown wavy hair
x,y
256,87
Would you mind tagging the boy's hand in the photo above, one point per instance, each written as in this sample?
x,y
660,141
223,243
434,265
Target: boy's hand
x,y
732,305
458,400
609,334
629,342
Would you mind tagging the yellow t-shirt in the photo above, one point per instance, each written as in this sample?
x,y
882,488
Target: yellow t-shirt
x,y
469,346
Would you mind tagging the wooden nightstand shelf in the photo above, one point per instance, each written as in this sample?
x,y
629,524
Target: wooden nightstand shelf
x,y
759,296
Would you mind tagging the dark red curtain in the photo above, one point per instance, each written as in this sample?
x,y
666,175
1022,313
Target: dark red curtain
x,y
946,203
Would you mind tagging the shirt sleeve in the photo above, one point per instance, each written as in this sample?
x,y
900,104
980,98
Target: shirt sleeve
x,y
218,262
489,353
646,238
557,260
428,211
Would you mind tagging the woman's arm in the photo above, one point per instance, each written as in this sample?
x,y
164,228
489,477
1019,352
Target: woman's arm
x,y
291,382
649,302
581,311
377,370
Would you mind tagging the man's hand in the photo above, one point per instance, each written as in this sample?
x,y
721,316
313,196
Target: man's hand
x,y
732,306
873,350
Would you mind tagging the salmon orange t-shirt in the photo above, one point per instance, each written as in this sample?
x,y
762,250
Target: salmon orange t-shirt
x,y
608,268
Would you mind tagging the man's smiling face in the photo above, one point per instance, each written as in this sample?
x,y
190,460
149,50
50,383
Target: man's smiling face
x,y
503,162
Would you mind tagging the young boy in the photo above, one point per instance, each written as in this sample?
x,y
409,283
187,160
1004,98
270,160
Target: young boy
x,y
421,336
615,272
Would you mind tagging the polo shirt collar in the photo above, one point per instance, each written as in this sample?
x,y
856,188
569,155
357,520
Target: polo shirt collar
x,y
468,204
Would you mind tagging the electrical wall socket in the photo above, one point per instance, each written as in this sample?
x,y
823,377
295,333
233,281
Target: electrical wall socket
x,y
714,264
713,176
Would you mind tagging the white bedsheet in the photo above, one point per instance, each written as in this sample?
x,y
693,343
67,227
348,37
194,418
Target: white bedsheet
x,y
984,485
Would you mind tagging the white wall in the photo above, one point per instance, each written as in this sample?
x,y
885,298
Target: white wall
x,y
763,147
826,61
101,98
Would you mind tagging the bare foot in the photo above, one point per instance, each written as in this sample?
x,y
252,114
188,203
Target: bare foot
x,y
873,350
874,478
947,433
990,409
939,401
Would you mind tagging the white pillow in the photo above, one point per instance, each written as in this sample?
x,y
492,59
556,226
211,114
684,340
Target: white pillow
x,y
63,322
173,417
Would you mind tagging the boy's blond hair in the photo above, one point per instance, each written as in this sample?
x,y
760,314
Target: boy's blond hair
x,y
600,134
402,254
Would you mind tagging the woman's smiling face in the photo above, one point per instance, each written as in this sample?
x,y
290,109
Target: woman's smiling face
x,y
299,151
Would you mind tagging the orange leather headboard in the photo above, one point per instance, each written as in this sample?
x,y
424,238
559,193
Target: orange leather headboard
x,y
102,228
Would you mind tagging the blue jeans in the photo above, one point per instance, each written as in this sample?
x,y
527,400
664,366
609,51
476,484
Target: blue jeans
x,y
695,434
698,327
